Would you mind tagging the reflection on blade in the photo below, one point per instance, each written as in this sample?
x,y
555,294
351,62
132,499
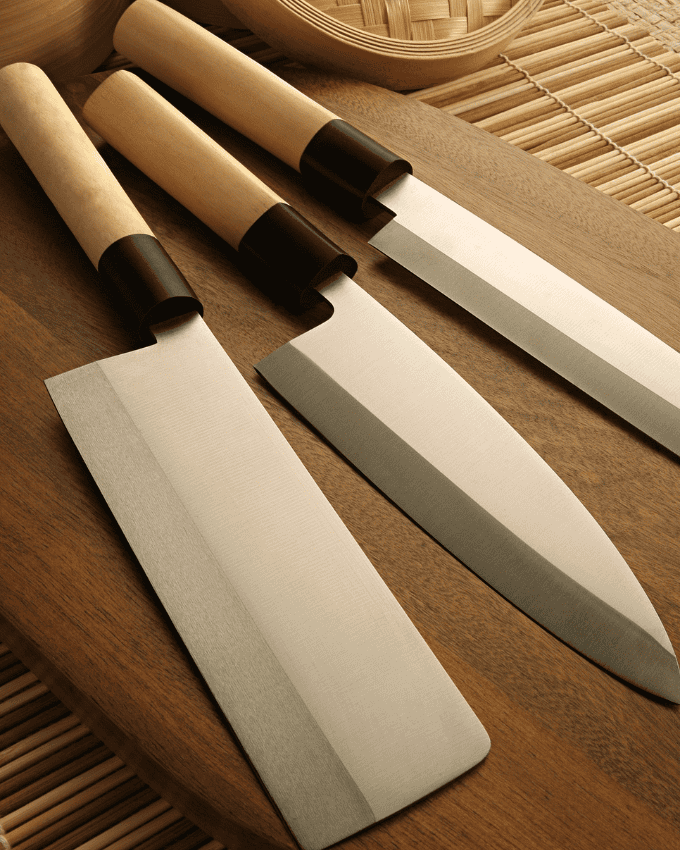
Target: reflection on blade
x,y
539,308
422,435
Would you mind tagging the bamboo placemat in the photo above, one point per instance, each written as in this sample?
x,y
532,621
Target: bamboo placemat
x,y
62,789
591,91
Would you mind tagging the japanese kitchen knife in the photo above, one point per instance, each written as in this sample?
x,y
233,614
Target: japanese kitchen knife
x,y
345,713
399,412
498,280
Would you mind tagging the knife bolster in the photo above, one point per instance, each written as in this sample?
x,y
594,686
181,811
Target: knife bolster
x,y
287,257
346,168
144,274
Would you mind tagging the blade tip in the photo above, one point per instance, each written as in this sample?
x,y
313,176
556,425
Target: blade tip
x,y
665,678
673,687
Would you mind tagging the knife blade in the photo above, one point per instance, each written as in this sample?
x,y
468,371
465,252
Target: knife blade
x,y
400,413
342,708
513,290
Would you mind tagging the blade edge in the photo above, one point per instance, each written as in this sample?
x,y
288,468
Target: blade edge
x,y
404,476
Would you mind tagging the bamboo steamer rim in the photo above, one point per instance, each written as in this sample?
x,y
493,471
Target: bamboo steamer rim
x,y
481,39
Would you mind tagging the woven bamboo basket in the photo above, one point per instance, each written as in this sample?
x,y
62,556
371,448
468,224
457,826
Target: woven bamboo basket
x,y
399,44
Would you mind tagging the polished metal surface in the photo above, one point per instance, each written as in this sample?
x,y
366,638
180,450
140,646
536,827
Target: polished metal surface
x,y
425,438
541,309
342,708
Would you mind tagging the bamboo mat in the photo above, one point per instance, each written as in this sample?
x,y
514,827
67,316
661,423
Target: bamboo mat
x,y
660,17
62,789
589,90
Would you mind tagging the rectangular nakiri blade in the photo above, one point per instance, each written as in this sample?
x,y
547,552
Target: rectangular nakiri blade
x,y
342,708
544,311
422,435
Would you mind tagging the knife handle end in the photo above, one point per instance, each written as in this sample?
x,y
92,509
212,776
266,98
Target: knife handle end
x,y
338,162
88,197
218,77
145,275
64,160
287,257
346,168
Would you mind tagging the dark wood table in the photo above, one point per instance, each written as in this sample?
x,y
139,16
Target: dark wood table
x,y
579,759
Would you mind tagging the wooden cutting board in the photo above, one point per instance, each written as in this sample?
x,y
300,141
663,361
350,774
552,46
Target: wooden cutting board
x,y
579,759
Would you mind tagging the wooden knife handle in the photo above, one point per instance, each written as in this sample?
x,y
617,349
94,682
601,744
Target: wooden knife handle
x,y
279,249
336,160
89,198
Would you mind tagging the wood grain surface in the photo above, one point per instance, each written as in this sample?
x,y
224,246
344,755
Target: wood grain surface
x,y
579,759
64,37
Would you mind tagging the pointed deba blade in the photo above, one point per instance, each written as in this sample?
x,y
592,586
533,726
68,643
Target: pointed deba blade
x,y
422,435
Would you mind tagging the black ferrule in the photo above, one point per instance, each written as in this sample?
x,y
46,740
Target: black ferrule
x,y
149,281
345,168
286,256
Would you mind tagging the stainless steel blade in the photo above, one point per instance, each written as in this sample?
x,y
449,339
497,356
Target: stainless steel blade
x,y
344,711
541,309
423,436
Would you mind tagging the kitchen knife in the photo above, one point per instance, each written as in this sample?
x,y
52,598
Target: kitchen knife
x,y
498,280
343,710
400,413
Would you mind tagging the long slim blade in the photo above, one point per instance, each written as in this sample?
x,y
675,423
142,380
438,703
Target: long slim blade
x,y
344,711
404,418
541,309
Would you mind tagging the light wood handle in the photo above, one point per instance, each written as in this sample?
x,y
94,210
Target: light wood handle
x,y
90,200
177,155
277,248
65,162
337,162
219,78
